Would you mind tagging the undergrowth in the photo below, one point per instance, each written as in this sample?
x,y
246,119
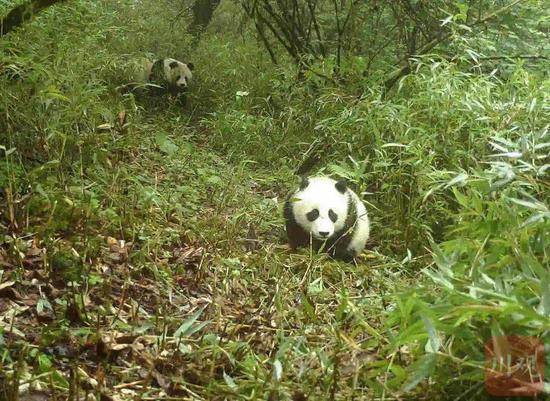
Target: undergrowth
x,y
143,254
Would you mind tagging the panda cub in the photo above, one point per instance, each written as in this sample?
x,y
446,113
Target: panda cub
x,y
326,212
168,75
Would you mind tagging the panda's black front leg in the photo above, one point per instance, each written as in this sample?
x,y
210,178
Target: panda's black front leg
x,y
297,237
178,94
346,256
342,253
181,99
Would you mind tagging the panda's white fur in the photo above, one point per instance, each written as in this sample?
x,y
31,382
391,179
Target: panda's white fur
x,y
325,212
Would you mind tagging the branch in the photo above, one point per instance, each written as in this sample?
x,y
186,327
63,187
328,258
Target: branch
x,y
22,13
406,68
251,12
285,36
339,36
518,56
288,46
266,43
311,7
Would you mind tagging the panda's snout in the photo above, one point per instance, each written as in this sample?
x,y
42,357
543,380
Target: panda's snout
x,y
181,87
323,233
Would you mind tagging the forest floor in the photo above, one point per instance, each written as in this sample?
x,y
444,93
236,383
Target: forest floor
x,y
143,254
206,301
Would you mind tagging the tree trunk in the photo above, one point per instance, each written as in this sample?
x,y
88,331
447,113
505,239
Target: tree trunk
x,y
22,13
202,14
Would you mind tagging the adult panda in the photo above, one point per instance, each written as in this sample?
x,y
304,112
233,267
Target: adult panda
x,y
168,75
327,214
165,76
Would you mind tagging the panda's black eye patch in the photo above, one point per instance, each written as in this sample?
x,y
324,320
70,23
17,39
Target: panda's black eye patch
x,y
312,216
178,78
332,216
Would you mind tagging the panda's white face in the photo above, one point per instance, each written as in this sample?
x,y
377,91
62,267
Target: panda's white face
x,y
177,73
320,206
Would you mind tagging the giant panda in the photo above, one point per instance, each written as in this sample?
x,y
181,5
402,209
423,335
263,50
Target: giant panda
x,y
169,73
327,214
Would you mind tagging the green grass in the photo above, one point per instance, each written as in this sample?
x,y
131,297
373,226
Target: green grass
x,y
147,260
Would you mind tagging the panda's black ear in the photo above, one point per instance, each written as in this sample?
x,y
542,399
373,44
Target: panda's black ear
x,y
304,183
191,66
341,186
173,64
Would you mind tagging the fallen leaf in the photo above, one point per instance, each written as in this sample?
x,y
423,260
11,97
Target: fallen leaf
x,y
6,284
104,127
161,380
121,117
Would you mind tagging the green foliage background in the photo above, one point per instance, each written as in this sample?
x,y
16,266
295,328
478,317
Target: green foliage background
x,y
453,164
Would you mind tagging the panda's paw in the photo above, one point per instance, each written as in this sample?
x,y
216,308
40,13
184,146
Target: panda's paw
x,y
181,100
347,255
